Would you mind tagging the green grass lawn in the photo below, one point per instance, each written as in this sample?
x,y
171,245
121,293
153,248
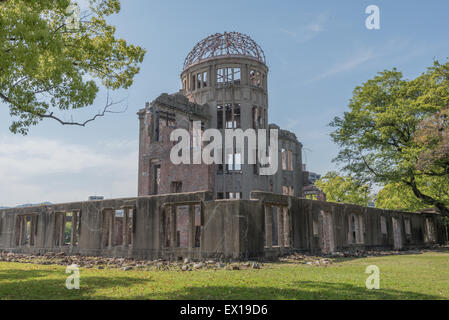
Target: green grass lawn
x,y
421,276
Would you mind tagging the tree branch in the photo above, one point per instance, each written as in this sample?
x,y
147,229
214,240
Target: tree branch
x,y
442,208
106,109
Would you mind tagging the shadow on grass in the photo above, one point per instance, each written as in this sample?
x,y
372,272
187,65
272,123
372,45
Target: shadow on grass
x,y
305,290
51,284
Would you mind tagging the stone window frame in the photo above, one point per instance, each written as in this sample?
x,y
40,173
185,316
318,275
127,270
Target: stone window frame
x,y
229,116
154,181
356,235
194,134
162,119
200,80
284,159
289,160
227,75
176,187
169,237
233,195
21,229
60,224
236,163
284,223
109,231
236,167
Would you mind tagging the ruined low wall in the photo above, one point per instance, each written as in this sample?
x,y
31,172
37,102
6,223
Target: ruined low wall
x,y
325,227
193,225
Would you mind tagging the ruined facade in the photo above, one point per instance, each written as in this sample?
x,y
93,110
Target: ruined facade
x,y
225,86
213,211
195,225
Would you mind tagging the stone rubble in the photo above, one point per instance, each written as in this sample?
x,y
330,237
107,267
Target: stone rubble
x,y
101,263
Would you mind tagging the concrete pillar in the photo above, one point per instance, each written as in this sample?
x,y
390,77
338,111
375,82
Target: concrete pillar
x,y
287,237
280,217
173,210
125,227
244,75
61,228
106,227
32,229
20,220
132,217
268,226
110,226
74,224
191,227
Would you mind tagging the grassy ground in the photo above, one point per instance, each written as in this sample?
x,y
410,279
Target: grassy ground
x,y
421,276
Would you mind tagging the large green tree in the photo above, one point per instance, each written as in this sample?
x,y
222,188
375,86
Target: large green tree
x,y
53,60
344,189
384,137
398,196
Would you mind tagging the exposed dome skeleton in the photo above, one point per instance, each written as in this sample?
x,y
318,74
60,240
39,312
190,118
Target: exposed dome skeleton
x,y
226,44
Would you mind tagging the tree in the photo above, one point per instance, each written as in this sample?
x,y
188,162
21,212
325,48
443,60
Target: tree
x,y
379,138
344,189
433,136
51,61
398,196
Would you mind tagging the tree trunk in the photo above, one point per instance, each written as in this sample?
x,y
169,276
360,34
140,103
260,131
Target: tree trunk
x,y
441,207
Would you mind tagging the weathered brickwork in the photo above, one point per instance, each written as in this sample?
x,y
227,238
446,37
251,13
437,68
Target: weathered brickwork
x,y
225,91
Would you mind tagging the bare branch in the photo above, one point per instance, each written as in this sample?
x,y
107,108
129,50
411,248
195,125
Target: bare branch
x,y
106,109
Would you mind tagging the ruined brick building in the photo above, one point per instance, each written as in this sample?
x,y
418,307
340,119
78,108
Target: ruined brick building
x,y
213,211
225,86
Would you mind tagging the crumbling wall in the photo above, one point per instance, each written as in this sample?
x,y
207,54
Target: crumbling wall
x,y
194,225
326,227
157,173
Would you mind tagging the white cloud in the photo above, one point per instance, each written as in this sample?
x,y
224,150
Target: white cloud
x,y
38,169
357,59
310,29
398,50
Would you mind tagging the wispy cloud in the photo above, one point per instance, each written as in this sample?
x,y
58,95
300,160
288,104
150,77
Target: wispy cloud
x,y
38,169
310,29
402,48
353,62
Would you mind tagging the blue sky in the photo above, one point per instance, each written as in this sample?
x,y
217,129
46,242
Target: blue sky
x,y
317,52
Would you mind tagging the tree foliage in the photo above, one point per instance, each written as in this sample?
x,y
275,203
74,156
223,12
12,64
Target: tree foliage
x,y
48,65
384,136
344,189
433,136
397,196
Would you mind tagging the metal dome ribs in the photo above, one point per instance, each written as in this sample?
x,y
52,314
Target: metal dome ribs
x,y
226,44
